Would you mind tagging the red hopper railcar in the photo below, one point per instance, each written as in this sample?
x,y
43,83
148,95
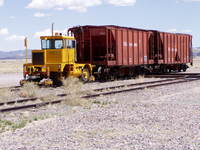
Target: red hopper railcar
x,y
118,51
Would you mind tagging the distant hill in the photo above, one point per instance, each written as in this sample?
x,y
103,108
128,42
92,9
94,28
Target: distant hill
x,y
196,51
19,54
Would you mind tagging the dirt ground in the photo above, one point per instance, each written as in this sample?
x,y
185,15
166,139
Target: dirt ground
x,y
162,118
10,79
11,72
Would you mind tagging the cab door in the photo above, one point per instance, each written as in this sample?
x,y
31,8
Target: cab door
x,y
69,51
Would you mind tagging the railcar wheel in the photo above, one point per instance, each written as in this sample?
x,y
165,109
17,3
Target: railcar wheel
x,y
57,83
85,75
165,70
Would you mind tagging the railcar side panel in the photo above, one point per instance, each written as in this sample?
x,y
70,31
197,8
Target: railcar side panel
x,y
136,61
121,46
130,47
177,48
124,45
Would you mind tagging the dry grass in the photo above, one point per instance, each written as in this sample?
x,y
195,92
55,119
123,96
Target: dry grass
x,y
72,85
6,125
101,103
48,98
29,90
73,88
140,78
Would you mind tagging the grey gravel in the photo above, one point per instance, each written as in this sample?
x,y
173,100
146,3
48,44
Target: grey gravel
x,y
162,118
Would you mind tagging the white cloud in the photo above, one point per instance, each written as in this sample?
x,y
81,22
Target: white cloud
x,y
172,30
77,5
190,0
4,31
59,8
186,31
122,2
178,1
15,38
179,31
1,2
40,15
47,32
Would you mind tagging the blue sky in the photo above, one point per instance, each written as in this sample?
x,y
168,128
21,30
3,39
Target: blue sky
x,y
32,18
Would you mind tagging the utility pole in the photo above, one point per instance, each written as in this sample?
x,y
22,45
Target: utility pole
x,y
52,29
26,47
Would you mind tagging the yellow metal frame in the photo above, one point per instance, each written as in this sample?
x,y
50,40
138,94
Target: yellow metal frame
x,y
65,58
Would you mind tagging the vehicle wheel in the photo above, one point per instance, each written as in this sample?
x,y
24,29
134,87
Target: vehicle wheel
x,y
85,75
164,70
57,83
168,70
184,69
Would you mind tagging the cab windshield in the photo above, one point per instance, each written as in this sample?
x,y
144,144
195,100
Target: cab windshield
x,y
52,44
58,44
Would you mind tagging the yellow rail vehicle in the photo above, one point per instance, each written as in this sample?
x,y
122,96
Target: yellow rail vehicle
x,y
56,60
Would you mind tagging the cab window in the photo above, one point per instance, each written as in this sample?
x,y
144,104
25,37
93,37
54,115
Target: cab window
x,y
52,44
46,44
71,44
58,44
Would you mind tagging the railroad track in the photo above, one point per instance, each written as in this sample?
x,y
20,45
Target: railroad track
x,y
95,90
102,92
171,75
146,86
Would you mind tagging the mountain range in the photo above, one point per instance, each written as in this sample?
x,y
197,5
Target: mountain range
x,y
18,54
21,54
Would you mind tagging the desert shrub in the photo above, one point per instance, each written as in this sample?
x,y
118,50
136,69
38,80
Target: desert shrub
x,y
29,90
73,88
72,85
140,78
48,98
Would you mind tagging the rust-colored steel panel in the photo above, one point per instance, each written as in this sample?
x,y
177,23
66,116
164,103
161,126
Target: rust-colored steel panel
x,y
112,45
121,46
135,47
175,48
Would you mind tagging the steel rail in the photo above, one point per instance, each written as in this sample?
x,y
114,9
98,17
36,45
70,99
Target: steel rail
x,y
18,101
37,105
139,88
101,89
170,75
137,84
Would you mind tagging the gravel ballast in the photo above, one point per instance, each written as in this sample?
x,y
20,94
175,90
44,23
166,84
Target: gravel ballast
x,y
163,118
